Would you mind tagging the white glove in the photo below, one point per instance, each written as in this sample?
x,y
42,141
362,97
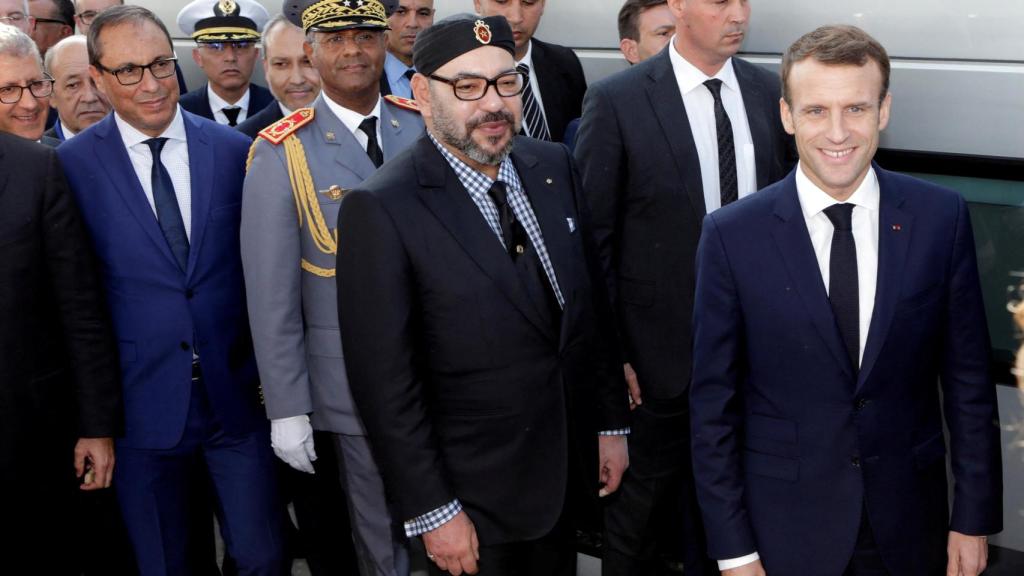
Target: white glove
x,y
292,441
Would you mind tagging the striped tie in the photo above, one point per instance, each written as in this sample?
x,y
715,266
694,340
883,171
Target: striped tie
x,y
533,117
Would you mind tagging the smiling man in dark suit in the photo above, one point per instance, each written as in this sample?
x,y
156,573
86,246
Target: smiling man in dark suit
x,y
660,145
477,336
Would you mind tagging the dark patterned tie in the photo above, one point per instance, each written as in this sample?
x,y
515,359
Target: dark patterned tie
x,y
726,149
232,114
167,211
843,292
533,117
369,127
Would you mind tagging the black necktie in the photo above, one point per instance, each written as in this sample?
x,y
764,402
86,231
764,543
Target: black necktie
x,y
232,114
533,117
409,74
843,292
167,211
369,127
525,257
726,149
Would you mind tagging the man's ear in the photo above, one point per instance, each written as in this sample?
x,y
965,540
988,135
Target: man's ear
x,y
787,117
883,111
197,57
96,76
630,50
421,93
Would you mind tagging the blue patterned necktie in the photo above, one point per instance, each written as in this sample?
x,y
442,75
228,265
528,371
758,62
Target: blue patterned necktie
x,y
167,211
843,291
726,148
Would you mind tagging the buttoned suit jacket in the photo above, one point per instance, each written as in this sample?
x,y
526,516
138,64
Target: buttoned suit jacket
x,y
643,181
198,101
465,391
562,85
790,442
294,312
161,313
252,125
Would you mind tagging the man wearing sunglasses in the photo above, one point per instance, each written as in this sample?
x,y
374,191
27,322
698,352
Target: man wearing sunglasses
x,y
476,329
226,33
160,190
25,89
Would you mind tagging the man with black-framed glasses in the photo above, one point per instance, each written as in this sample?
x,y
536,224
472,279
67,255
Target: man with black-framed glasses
x,y
226,34
25,89
54,21
160,191
87,10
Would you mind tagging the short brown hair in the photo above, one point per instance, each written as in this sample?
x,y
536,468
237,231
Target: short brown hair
x,y
629,16
838,45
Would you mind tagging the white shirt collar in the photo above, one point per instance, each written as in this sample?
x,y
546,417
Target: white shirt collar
x,y
350,118
131,136
217,103
690,77
528,58
67,132
814,200
284,109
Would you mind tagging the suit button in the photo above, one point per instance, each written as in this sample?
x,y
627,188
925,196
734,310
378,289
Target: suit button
x,y
862,403
855,462
185,346
189,294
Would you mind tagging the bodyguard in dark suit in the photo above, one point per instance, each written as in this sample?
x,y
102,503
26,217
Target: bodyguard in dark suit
x,y
554,95
658,149
476,330
58,363
160,190
838,322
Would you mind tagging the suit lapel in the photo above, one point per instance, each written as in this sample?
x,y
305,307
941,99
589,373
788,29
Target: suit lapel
x,y
449,201
205,110
112,157
794,245
201,168
347,151
758,118
550,82
391,132
667,103
895,227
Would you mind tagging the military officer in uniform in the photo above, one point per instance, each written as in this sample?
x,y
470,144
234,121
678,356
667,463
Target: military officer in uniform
x,y
300,169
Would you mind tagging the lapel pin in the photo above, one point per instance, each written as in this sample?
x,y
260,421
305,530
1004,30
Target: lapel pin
x,y
330,136
548,180
395,124
519,249
896,227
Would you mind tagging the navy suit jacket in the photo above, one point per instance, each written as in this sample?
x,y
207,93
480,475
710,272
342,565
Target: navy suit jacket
x,y
198,101
790,442
253,125
160,313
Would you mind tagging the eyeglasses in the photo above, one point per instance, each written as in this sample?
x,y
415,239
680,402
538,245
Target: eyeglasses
x,y
51,21
88,16
362,39
222,46
130,74
39,88
469,88
14,18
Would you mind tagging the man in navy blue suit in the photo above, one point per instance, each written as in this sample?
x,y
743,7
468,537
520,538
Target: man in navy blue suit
x,y
160,191
838,319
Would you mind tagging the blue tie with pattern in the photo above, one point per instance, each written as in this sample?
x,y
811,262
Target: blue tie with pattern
x,y
167,211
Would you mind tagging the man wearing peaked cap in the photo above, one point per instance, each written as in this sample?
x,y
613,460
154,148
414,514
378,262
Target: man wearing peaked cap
x,y
226,33
301,168
478,336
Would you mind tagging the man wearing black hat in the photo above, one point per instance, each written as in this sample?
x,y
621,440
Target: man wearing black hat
x,y
477,331
301,168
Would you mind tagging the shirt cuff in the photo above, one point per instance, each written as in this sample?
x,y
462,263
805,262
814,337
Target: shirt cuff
x,y
730,563
618,432
432,520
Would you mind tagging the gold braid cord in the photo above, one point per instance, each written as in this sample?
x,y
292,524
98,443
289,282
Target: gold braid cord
x,y
308,206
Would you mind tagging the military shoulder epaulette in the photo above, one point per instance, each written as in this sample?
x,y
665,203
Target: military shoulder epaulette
x,y
283,128
403,102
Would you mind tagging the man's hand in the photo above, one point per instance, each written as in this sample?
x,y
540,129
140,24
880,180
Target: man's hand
x,y
453,546
633,385
968,555
613,459
94,459
755,568
292,441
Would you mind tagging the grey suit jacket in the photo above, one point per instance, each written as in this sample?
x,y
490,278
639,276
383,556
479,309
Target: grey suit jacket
x,y
288,257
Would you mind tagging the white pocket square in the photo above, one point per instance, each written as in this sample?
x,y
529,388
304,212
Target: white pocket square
x,y
572,225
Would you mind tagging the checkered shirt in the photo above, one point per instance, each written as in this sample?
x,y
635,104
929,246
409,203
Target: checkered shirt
x,y
477,184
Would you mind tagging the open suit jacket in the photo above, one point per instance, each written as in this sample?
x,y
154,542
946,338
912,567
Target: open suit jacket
x,y
790,442
198,101
465,391
161,313
562,85
643,181
294,312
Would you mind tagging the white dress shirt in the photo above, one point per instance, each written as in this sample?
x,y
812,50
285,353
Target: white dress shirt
x,y
534,84
700,111
352,119
218,104
813,202
174,157
67,132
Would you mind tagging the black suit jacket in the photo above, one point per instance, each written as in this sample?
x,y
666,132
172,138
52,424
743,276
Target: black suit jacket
x,y
465,392
198,101
257,122
562,85
58,363
643,181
